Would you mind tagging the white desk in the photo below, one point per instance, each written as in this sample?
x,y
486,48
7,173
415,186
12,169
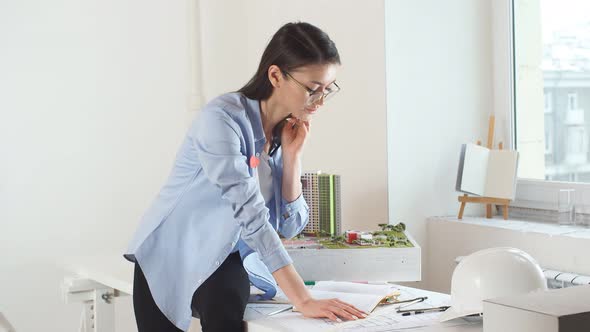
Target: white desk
x,y
95,282
98,279
383,318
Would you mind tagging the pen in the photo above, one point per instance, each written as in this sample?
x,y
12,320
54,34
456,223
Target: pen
x,y
425,310
280,310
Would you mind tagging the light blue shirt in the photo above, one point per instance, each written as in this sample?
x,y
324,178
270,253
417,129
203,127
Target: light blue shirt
x,y
211,205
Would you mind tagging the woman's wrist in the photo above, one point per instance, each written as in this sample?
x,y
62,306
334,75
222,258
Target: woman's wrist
x,y
292,285
302,300
291,178
291,158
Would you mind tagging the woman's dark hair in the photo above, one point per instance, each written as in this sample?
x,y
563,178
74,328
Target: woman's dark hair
x,y
294,45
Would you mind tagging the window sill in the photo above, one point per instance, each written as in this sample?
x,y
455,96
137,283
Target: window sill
x,y
540,194
524,226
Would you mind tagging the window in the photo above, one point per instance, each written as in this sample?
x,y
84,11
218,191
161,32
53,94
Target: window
x,y
541,59
572,101
548,102
552,88
548,140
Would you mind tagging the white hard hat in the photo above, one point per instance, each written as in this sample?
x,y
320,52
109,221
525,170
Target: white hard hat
x,y
491,273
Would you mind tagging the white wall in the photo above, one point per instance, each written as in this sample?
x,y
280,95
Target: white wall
x,y
92,111
439,95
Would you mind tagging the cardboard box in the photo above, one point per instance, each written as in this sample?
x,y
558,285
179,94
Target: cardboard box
x,y
556,310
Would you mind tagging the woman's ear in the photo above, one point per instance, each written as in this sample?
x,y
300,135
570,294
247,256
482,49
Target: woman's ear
x,y
275,76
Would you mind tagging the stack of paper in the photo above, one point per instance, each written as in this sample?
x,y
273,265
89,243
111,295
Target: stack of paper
x,y
364,297
385,318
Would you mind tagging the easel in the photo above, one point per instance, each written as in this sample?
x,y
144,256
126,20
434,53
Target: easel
x,y
488,201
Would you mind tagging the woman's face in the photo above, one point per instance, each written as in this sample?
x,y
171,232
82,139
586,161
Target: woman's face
x,y
305,87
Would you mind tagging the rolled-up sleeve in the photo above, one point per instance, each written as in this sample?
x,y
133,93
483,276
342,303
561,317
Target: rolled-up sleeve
x,y
294,217
218,143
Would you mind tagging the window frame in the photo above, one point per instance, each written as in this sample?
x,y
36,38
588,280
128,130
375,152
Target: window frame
x,y
572,96
548,102
530,193
549,135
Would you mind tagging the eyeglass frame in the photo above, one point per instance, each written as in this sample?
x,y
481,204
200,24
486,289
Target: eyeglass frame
x,y
404,303
313,92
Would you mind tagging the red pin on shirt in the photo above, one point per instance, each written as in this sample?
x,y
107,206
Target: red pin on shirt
x,y
254,161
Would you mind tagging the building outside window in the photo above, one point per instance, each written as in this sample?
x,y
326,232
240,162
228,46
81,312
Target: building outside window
x,y
552,89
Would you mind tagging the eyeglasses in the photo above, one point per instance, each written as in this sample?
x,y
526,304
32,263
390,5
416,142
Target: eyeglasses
x,y
316,95
409,302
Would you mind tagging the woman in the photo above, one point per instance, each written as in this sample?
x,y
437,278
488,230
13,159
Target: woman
x,y
234,186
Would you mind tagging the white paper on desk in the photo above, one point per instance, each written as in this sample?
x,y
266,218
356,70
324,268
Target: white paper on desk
x,y
389,320
261,310
383,319
293,322
382,323
355,287
364,302
376,322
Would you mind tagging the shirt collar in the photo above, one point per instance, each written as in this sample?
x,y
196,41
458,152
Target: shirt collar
x,y
254,113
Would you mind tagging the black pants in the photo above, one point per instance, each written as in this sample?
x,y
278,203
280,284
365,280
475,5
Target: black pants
x,y
219,302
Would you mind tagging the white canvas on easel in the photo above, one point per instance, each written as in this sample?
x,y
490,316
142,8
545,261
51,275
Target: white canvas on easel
x,y
485,172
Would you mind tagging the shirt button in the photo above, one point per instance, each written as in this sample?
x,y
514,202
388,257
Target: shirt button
x,y
233,244
217,263
200,281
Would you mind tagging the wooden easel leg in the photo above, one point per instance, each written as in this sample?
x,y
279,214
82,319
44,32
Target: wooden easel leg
x,y
488,211
461,210
505,212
